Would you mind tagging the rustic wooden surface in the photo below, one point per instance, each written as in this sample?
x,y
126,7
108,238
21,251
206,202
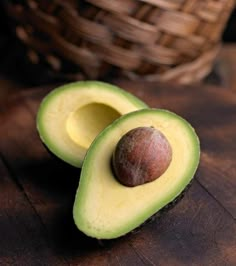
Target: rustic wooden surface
x,y
37,191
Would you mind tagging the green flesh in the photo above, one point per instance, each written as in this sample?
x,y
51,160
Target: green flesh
x,y
106,209
71,116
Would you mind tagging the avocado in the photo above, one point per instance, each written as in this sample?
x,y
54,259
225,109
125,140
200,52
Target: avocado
x,y
104,208
71,116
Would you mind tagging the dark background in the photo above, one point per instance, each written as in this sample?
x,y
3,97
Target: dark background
x,y
230,31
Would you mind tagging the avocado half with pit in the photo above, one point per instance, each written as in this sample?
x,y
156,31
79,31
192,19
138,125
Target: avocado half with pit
x,y
71,116
104,208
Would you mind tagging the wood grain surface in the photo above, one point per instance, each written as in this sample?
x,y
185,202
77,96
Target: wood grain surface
x,y
37,190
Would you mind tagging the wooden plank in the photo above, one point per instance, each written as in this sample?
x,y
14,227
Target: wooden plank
x,y
198,231
23,237
49,184
7,88
212,119
195,232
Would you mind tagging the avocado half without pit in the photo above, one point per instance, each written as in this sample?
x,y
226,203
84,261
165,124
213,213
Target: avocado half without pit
x,y
135,167
71,116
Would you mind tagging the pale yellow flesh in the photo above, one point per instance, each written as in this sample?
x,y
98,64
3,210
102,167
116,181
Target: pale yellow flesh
x,y
104,208
75,118
85,123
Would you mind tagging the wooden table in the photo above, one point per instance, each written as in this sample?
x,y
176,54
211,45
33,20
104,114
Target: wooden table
x,y
37,191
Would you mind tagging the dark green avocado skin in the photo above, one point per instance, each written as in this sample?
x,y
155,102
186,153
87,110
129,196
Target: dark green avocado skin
x,y
153,218
160,213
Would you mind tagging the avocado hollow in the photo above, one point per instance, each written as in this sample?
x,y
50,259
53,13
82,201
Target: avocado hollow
x,y
71,116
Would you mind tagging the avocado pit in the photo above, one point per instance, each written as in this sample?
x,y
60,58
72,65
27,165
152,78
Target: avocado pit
x,y
142,155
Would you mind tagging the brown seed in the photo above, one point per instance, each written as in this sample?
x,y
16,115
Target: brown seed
x,y
142,155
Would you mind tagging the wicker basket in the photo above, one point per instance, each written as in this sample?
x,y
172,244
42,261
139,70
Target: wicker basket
x,y
163,40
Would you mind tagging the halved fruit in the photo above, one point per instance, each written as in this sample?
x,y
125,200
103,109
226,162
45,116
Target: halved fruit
x,y
71,116
103,207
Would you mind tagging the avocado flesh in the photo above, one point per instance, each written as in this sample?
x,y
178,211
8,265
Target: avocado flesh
x,y
71,116
106,209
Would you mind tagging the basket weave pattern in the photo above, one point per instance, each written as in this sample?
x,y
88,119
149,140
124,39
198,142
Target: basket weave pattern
x,y
164,40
